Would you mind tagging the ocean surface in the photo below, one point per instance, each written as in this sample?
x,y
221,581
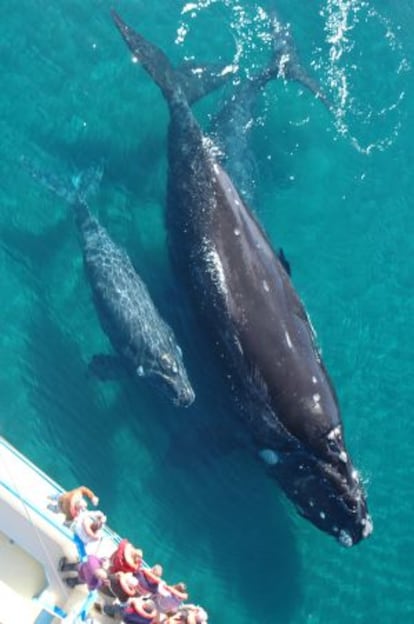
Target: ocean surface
x,y
334,190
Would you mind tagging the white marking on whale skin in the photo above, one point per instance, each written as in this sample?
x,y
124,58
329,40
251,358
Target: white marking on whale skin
x,y
334,433
355,475
314,380
140,371
343,457
215,267
238,344
311,326
236,232
288,340
322,515
368,526
216,168
314,405
269,456
265,285
345,538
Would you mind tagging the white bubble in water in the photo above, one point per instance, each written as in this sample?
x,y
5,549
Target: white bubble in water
x,y
269,456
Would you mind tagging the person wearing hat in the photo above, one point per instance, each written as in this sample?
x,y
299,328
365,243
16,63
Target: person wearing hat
x,y
126,558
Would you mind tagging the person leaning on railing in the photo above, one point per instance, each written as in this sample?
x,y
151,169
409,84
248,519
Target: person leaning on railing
x,y
73,502
87,529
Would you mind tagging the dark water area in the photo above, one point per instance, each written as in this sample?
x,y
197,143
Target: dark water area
x,y
334,190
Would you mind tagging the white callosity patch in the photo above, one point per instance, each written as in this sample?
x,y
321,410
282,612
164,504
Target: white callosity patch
x,y
368,526
345,538
355,476
288,340
334,433
265,285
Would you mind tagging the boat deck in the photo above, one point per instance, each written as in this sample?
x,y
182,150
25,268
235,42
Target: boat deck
x,y
33,538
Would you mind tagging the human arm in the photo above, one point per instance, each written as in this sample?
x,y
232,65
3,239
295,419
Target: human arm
x,y
85,491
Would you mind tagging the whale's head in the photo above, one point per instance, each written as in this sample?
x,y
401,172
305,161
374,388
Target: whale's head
x,y
166,371
325,489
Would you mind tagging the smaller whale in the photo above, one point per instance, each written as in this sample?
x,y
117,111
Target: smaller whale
x,y
144,343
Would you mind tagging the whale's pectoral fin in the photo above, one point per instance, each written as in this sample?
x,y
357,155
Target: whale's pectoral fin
x,y
198,80
284,261
107,367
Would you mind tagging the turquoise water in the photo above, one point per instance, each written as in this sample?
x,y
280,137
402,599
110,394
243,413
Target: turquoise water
x,y
334,192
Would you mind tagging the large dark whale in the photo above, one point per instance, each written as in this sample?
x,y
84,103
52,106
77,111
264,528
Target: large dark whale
x,y
258,322
145,344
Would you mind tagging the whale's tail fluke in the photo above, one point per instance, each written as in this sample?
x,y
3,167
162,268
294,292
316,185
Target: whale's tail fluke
x,y
191,81
76,189
152,59
285,63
